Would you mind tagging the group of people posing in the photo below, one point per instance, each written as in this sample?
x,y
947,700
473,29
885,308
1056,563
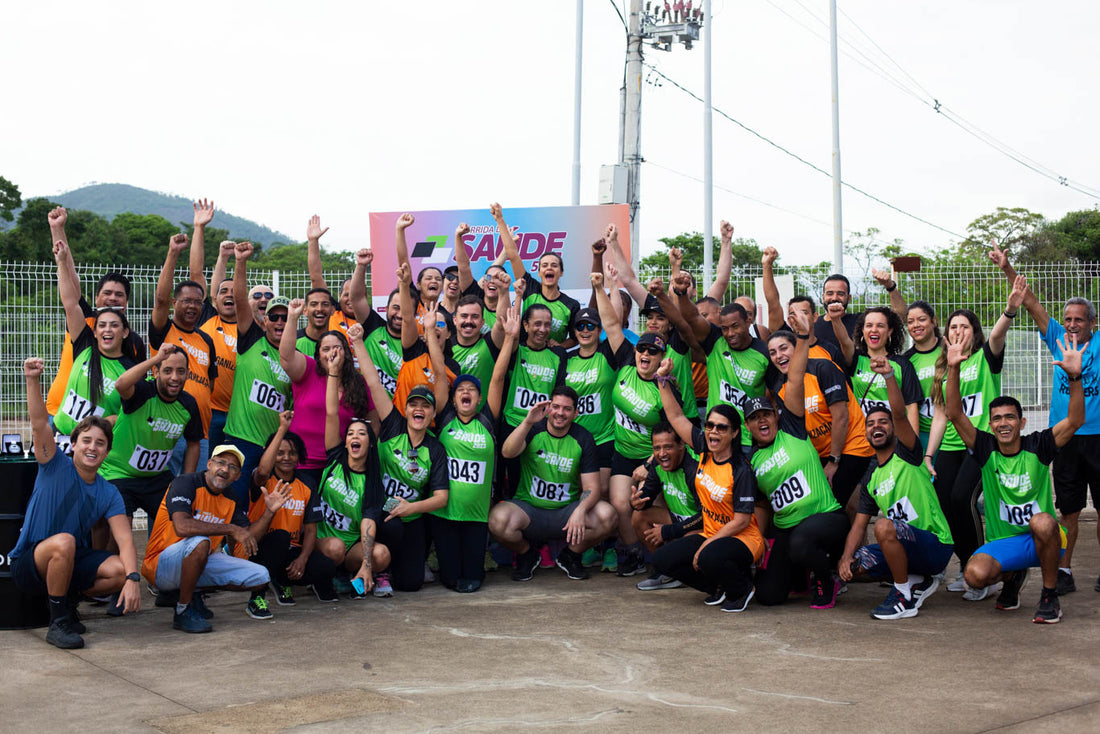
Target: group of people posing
x,y
745,460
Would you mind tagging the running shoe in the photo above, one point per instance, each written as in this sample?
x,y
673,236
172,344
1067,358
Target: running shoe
x,y
570,562
958,585
1009,597
843,588
895,606
1049,611
467,586
740,603
610,561
383,589
115,606
525,565
659,581
342,584
153,590
545,559
825,593
593,557
74,617
257,608
925,589
62,635
1066,584
982,593
632,565
324,591
716,598
190,620
198,601
284,596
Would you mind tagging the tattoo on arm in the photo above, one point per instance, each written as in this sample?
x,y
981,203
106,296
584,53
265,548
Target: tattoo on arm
x,y
585,495
367,539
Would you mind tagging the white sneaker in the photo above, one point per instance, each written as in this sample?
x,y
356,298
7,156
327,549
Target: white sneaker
x,y
983,593
958,585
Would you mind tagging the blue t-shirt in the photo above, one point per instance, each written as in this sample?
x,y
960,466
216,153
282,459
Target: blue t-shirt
x,y
1090,380
62,502
629,335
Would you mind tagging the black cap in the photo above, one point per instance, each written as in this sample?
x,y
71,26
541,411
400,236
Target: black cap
x,y
450,269
421,391
753,405
651,305
652,339
587,315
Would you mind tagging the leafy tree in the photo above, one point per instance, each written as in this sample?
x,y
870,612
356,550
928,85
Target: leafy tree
x,y
293,258
746,253
1077,234
10,199
30,239
1016,230
144,238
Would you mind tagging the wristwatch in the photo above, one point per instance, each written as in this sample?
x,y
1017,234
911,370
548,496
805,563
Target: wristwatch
x,y
834,459
134,576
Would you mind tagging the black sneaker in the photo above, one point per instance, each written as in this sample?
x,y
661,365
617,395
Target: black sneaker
x,y
1049,611
115,606
716,598
740,603
1065,582
190,620
324,590
198,601
284,596
61,634
167,598
257,608
925,589
632,565
74,618
570,562
1009,597
526,563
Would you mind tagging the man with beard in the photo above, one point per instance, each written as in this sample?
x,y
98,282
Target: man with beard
x,y
382,337
318,314
343,316
914,541
489,288
475,352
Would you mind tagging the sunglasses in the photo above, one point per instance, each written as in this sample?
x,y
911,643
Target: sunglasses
x,y
450,276
718,427
648,349
262,294
587,326
276,317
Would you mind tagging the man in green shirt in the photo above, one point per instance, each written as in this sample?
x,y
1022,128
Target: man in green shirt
x,y
1021,530
558,497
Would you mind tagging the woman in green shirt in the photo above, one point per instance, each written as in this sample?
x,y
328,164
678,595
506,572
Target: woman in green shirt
x,y
924,330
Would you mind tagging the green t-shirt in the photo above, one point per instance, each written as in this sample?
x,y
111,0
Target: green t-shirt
x,y
532,374
637,411
261,389
902,490
551,467
593,378
471,459
306,344
924,364
735,376
678,487
869,387
478,360
413,473
1017,488
680,354
346,497
146,433
979,382
789,474
561,308
385,351
77,403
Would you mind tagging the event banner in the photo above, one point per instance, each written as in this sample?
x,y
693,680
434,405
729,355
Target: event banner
x,y
566,230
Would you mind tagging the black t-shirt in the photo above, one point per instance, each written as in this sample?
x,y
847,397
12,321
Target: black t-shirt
x,y
823,329
133,346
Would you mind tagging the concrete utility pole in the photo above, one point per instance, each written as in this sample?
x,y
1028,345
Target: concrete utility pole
x,y
708,158
577,105
632,124
838,227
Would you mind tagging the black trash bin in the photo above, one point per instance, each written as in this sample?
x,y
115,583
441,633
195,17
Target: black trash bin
x,y
17,610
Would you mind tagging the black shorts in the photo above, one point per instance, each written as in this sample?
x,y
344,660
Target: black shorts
x,y
85,567
545,524
604,452
623,465
144,492
1076,470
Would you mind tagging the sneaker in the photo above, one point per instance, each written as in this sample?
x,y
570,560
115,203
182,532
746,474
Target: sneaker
x,y
895,606
342,585
324,591
925,589
198,600
1049,611
610,561
525,565
114,607
632,565
257,608
284,596
383,589
825,593
545,559
593,557
570,562
467,586
1009,597
74,618
982,593
958,585
716,598
167,598
740,603
843,588
805,589
153,590
61,634
1065,582
659,581
190,620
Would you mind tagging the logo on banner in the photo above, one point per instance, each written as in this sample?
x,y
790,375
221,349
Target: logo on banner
x,y
433,250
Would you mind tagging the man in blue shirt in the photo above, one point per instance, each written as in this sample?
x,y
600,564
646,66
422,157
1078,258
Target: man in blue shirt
x,y
54,554
1077,465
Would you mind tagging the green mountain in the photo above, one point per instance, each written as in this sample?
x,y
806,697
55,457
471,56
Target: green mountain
x,y
107,200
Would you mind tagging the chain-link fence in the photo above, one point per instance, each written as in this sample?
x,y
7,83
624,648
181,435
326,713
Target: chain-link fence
x,y
32,320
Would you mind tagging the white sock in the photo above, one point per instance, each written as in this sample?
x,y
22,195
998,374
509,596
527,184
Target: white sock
x,y
180,608
1067,570
905,588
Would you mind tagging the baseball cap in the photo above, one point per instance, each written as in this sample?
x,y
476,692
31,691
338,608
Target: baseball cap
x,y
651,305
587,315
467,378
423,392
753,405
228,449
277,302
655,340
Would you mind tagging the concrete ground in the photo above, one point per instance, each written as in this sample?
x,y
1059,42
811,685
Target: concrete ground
x,y
553,654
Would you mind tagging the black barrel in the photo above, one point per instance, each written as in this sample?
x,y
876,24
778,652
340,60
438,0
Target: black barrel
x,y
17,610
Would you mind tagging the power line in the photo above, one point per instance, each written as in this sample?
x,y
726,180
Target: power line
x,y
620,14
799,158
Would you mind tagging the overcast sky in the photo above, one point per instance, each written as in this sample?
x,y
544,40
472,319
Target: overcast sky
x,y
279,110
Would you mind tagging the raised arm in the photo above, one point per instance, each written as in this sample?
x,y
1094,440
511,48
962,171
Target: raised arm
x,y
462,259
225,254
44,445
1000,330
403,222
953,397
69,286
1071,363
627,276
241,252
612,326
290,359
441,386
672,312
897,301
383,403
313,252
517,439
266,464
794,398
699,327
508,242
409,332
57,219
509,321
131,377
504,282
162,298
847,345
771,291
725,263
332,401
673,411
903,429
1031,302
204,213
360,302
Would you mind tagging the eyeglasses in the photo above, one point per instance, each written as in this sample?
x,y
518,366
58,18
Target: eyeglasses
x,y
227,465
648,349
189,301
717,427
261,294
276,317
587,326
451,276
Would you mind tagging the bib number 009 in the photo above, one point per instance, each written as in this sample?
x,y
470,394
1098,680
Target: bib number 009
x,y
794,489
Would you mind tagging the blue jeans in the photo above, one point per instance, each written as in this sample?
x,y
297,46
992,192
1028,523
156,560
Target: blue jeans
x,y
217,427
243,485
175,464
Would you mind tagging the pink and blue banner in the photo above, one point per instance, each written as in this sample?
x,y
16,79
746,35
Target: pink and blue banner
x,y
566,230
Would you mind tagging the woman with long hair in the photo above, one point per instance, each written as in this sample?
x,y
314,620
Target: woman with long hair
x,y
924,330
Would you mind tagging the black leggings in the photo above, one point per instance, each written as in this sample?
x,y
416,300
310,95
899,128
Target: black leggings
x,y
815,544
408,545
725,563
958,482
275,553
848,473
459,548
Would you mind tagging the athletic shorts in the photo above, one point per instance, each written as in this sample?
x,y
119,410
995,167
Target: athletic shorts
x,y
221,569
1076,470
1017,552
604,452
924,552
623,465
143,492
545,524
85,567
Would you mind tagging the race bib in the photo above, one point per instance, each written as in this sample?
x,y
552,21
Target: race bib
x,y
628,423
467,472
866,404
589,404
335,520
388,382
1019,515
526,399
727,393
927,408
793,490
396,488
972,405
79,408
902,510
267,396
550,491
149,460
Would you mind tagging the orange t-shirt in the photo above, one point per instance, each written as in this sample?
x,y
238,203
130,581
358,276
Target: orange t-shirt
x,y
202,364
224,336
417,370
302,507
699,380
339,321
724,489
824,386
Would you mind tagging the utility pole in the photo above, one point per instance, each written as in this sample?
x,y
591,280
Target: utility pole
x,y
632,124
576,199
708,158
838,228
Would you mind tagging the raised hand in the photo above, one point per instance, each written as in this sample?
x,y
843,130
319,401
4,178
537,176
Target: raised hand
x,y
1019,291
597,279
204,212
313,229
294,310
496,212
538,411
665,369
881,366
835,310
1071,360
599,247
364,257
355,333
800,322
503,279
509,321
769,256
227,248
405,221
33,366
682,282
60,251
243,251
58,217
726,230
883,278
404,274
611,271
277,497
335,362
165,351
656,287
520,287
611,234
178,243
675,258
285,418
461,229
998,256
